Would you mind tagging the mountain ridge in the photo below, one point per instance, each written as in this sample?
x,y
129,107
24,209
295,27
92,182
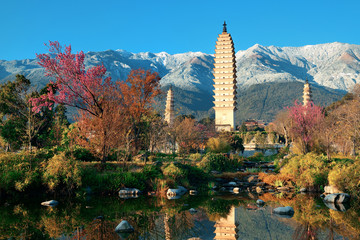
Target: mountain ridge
x,y
329,65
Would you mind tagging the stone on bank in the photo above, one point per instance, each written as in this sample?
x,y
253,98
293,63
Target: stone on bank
x,y
337,198
124,227
129,192
172,192
260,202
50,203
284,211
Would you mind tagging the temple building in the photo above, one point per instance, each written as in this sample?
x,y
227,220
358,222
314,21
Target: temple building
x,y
224,82
169,109
307,93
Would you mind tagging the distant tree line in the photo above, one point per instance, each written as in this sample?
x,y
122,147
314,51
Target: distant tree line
x,y
330,130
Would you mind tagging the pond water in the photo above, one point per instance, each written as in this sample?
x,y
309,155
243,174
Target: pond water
x,y
233,216
266,152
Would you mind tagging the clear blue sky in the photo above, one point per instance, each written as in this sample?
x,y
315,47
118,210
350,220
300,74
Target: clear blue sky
x,y
172,26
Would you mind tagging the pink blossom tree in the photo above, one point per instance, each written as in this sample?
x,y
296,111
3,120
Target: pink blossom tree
x,y
304,119
107,108
89,90
75,86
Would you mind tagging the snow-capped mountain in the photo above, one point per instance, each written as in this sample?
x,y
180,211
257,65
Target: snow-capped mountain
x,y
269,78
334,65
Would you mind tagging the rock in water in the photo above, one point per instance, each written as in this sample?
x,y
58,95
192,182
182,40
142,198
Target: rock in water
x,y
172,192
284,211
258,189
129,191
337,206
260,202
50,203
193,192
124,227
236,190
192,210
337,198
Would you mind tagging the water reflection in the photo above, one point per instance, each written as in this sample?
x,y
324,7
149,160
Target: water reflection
x,y
215,217
225,228
266,152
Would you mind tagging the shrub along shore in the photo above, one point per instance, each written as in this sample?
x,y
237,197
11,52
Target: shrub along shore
x,y
67,173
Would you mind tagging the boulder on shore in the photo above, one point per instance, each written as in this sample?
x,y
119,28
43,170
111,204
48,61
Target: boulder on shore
x,y
331,189
284,211
193,192
129,192
124,227
172,192
50,203
192,210
337,198
258,189
260,202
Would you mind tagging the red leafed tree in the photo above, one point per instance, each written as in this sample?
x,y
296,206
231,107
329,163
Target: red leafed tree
x,y
137,99
304,119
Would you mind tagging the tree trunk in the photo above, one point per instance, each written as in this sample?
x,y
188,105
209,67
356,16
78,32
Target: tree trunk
x,y
353,152
104,150
286,137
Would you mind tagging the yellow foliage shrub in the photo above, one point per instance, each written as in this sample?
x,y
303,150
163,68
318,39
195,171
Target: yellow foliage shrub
x,y
172,171
349,221
62,170
308,170
346,177
195,157
218,145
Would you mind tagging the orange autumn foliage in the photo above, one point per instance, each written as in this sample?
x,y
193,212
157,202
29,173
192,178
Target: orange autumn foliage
x,y
270,178
137,95
123,108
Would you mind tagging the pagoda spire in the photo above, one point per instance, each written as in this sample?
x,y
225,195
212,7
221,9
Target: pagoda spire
x,y
224,82
307,94
169,108
224,28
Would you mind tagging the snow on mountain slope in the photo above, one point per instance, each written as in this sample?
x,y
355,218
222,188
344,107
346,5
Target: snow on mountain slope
x,y
334,65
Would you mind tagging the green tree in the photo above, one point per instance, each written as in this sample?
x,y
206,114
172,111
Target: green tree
x,y
19,124
243,128
234,140
260,138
